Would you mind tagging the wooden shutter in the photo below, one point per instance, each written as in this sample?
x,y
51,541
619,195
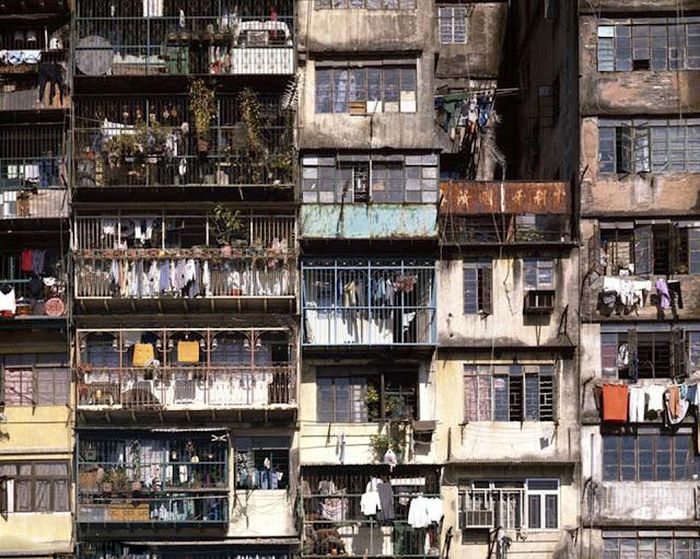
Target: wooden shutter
x,y
486,289
678,353
470,289
643,250
595,263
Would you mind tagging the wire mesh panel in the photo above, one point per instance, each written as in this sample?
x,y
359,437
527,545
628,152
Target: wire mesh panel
x,y
368,302
180,37
150,141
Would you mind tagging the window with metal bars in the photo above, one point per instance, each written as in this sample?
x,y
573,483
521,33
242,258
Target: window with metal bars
x,y
378,88
634,354
478,281
35,487
509,393
258,459
649,44
650,145
637,547
453,24
649,455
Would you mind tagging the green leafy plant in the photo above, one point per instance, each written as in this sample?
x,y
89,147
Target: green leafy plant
x,y
202,106
227,225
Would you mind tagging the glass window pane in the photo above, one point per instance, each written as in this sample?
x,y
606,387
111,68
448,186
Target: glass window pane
x,y
551,511
534,511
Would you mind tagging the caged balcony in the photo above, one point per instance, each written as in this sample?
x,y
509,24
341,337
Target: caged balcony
x,y
153,479
150,141
184,37
170,261
167,373
33,179
377,302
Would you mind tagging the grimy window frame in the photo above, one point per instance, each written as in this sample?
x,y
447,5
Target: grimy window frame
x,y
640,39
665,146
452,18
370,5
478,273
516,376
620,545
9,482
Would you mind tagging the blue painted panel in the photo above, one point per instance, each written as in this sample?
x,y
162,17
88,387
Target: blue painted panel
x,y
381,221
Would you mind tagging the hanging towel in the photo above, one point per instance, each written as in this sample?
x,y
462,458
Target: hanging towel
x,y
637,401
188,352
26,261
615,402
143,354
655,401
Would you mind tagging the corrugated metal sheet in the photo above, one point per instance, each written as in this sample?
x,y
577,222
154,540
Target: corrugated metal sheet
x,y
381,221
513,197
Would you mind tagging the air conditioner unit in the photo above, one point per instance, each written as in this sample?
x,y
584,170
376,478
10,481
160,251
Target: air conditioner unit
x,y
539,301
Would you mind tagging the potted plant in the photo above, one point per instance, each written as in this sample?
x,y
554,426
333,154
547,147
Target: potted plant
x,y
228,228
107,482
119,480
202,106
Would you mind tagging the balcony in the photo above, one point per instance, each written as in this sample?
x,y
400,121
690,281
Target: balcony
x,y
475,213
169,262
122,148
379,302
336,525
153,480
169,38
171,373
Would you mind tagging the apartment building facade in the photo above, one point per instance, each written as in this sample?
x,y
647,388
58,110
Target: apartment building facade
x,y
638,219
290,279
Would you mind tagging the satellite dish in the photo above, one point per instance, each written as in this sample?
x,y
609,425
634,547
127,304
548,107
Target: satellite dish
x,y
93,56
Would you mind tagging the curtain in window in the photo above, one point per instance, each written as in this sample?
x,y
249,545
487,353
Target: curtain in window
x,y
18,387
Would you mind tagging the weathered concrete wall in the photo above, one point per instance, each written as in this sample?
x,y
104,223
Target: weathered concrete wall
x,y
507,326
522,442
380,130
34,534
361,30
631,93
318,441
635,6
663,194
482,54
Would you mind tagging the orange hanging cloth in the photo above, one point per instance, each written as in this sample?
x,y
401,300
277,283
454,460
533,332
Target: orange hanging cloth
x,y
615,398
188,352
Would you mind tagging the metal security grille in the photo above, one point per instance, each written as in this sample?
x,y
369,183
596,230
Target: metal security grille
x,y
368,302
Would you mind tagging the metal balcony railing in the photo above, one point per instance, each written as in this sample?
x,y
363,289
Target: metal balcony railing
x,y
368,302
151,141
38,299
171,37
205,387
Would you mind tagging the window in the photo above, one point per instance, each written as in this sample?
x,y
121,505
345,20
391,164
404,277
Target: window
x,y
477,287
650,44
262,462
364,398
35,486
365,4
381,178
452,24
509,393
634,547
538,273
634,354
649,456
661,146
35,379
366,90
532,504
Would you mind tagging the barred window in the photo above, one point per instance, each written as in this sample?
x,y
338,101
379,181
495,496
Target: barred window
x,y
452,24
658,145
649,456
649,44
538,273
478,287
366,90
645,548
33,380
509,393
35,487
